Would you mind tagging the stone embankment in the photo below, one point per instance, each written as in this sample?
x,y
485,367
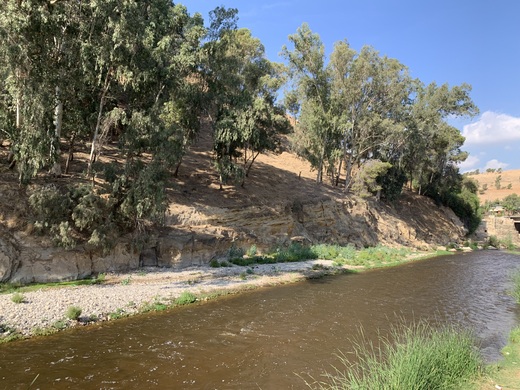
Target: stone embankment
x,y
504,228
196,234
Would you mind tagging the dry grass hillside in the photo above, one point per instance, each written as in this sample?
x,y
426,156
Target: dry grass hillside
x,y
488,191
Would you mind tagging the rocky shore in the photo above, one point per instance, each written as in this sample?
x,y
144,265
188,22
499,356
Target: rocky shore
x,y
44,310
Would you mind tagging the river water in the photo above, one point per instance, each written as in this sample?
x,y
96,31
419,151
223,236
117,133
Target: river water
x,y
273,338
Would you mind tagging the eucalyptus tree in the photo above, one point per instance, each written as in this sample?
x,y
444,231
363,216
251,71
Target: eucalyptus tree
x,y
432,145
241,85
372,94
36,52
349,110
310,99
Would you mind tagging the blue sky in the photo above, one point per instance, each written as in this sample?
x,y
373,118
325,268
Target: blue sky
x,y
446,41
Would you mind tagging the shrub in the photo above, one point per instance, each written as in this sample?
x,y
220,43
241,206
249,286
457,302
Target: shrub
x,y
251,251
235,253
73,313
50,207
186,298
294,252
334,252
493,241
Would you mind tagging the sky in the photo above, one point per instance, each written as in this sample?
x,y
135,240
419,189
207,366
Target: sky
x,y
443,41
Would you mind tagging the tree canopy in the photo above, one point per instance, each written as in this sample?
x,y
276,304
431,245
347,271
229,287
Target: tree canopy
x,y
141,77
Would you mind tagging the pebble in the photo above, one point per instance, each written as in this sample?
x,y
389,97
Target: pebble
x,y
43,308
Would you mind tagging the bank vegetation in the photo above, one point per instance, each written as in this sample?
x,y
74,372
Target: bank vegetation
x,y
131,84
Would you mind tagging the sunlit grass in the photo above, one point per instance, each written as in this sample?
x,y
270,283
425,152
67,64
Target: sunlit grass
x,y
7,288
341,255
515,291
414,357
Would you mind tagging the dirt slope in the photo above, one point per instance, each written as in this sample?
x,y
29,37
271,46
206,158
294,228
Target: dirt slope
x,y
279,203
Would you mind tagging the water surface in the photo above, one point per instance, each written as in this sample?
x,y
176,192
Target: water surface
x,y
271,338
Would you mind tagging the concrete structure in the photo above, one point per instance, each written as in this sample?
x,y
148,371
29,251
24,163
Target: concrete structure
x,y
504,228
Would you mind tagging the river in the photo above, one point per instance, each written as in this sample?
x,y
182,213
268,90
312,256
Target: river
x,y
273,338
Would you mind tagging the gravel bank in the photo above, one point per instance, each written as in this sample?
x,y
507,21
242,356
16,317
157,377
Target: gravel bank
x,y
129,292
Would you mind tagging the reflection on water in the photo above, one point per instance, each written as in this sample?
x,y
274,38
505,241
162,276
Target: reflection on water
x,y
266,339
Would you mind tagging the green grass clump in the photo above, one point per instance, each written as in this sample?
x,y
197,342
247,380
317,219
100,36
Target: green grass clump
x,y
153,306
419,357
17,298
73,313
8,334
515,292
514,335
186,298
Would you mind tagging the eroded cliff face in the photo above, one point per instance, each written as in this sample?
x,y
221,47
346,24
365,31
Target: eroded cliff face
x,y
196,234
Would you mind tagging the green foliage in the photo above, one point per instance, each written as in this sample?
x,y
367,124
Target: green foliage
x,y
514,335
511,203
460,194
8,334
235,253
515,292
493,241
294,252
392,183
365,182
416,357
73,313
354,110
186,298
49,205
17,298
156,305
341,254
251,251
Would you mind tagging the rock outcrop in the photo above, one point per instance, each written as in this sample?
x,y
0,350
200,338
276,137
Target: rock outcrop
x,y
194,235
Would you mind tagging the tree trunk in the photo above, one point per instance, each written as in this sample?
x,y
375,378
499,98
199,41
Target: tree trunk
x,y
348,174
339,171
70,156
55,147
93,147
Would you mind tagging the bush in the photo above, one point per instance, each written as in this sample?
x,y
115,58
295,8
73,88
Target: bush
x,y
334,252
17,298
186,298
50,207
493,241
235,253
418,357
73,313
294,252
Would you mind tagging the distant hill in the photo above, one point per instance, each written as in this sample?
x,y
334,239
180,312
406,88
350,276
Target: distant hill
x,y
488,191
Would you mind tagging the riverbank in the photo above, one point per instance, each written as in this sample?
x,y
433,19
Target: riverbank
x,y
26,313
41,310
505,375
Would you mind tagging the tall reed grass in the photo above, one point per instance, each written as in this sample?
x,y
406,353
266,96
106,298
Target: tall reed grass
x,y
413,357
